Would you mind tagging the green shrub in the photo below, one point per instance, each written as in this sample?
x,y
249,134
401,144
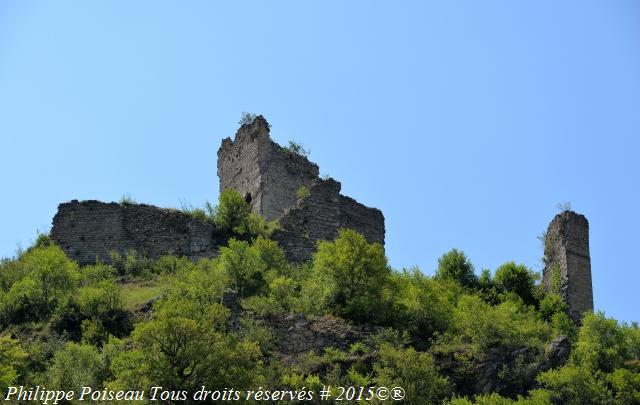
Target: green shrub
x,y
126,199
574,386
247,118
303,193
422,305
41,279
93,332
184,345
604,344
245,268
12,361
359,272
297,148
76,365
413,371
508,324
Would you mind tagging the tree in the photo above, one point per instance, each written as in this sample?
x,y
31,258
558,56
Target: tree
x,y
604,344
185,346
517,279
232,213
359,272
244,267
42,278
573,385
455,265
75,366
423,305
233,216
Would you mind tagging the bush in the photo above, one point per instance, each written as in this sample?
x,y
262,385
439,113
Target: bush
x,y
184,345
40,280
12,360
509,324
574,386
413,371
101,303
550,305
247,118
297,148
604,344
359,272
232,213
272,255
243,265
75,366
423,306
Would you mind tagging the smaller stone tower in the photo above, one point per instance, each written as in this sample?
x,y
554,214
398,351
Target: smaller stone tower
x,y
567,262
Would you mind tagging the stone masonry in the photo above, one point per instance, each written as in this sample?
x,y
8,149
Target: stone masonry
x,y
269,177
567,262
88,231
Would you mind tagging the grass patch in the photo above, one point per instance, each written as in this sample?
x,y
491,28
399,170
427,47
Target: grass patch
x,y
136,293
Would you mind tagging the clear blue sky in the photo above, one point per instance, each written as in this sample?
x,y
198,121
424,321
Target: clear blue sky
x,y
466,122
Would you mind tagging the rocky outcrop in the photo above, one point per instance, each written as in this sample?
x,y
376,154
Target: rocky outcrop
x,y
508,371
297,333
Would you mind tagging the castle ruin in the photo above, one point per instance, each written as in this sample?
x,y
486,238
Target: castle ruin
x,y
567,269
269,178
266,174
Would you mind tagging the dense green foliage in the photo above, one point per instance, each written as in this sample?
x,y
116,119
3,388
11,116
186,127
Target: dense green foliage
x,y
454,265
138,323
232,217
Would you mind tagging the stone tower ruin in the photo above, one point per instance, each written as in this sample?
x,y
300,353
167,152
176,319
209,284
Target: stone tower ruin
x,y
270,176
567,262
267,175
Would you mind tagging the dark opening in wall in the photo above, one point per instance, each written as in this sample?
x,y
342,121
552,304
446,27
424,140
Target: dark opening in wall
x,y
247,198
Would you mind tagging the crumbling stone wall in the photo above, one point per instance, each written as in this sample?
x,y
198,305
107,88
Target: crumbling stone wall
x,y
567,262
270,176
320,215
88,231
267,175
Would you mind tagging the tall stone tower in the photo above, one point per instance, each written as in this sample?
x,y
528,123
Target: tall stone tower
x,y
267,175
270,178
567,262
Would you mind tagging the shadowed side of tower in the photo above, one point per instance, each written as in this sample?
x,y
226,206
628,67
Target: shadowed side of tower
x,y
568,264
